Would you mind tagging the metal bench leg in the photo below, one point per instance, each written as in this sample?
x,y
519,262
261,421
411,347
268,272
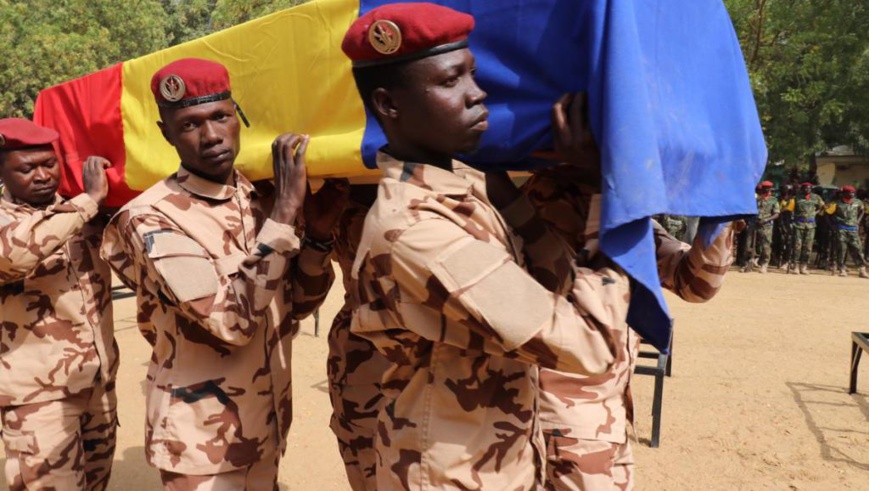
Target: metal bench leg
x,y
856,353
657,401
317,323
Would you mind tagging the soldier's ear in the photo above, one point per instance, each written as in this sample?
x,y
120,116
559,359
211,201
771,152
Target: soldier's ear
x,y
384,104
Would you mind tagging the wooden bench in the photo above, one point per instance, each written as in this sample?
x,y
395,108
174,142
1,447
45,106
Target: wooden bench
x,y
663,368
859,344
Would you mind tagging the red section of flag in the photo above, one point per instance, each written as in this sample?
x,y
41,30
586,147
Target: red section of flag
x,y
87,114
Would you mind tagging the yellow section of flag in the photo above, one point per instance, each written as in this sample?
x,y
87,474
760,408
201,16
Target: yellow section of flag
x,y
287,73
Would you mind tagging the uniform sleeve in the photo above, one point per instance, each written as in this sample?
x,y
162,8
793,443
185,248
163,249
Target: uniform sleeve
x,y
831,210
442,271
776,209
312,276
791,205
228,297
548,258
27,242
695,273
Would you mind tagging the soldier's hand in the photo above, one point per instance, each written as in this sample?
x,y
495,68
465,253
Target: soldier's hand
x,y
291,176
574,141
323,209
96,184
500,189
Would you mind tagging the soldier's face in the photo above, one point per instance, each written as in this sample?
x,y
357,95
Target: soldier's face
x,y
32,175
206,137
439,107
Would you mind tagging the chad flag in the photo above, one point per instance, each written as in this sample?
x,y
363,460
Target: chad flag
x,y
670,105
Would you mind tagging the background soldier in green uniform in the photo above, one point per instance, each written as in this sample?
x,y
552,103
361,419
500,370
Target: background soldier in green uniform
x,y
805,207
768,211
781,238
847,214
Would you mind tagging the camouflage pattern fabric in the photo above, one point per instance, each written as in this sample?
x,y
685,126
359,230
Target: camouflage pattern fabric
x,y
805,210
355,369
58,357
220,289
801,245
767,207
57,333
63,444
443,296
261,475
847,218
588,465
590,414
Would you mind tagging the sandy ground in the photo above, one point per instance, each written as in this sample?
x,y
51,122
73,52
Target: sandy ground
x,y
758,399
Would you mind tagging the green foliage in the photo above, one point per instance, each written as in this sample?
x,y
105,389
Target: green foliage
x,y
809,66
46,42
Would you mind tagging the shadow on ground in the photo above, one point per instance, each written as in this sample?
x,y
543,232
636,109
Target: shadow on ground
x,y
822,407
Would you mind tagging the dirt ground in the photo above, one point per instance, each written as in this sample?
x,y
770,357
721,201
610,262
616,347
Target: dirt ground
x,y
758,398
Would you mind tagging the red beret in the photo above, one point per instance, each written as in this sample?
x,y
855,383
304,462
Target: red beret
x,y
190,81
17,133
849,189
766,184
401,32
807,184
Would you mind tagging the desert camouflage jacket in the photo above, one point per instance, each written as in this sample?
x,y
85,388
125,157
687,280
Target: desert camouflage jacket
x,y
220,288
57,333
443,296
599,407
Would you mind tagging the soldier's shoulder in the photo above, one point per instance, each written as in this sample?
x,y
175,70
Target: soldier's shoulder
x,y
151,196
394,212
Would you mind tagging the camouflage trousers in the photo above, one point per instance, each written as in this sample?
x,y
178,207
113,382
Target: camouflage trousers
x,y
764,241
67,444
355,369
802,241
588,465
849,240
262,475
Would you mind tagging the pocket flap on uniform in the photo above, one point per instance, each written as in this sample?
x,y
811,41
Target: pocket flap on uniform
x,y
184,265
17,441
160,244
228,265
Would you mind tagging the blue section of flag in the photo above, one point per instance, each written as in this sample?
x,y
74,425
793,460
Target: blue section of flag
x,y
670,106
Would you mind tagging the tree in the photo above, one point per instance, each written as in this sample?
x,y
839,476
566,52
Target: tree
x,y
47,42
808,61
191,19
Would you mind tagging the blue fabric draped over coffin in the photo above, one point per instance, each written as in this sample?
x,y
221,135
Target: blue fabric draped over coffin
x,y
670,106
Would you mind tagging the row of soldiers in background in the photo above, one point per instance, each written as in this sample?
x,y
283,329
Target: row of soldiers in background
x,y
789,226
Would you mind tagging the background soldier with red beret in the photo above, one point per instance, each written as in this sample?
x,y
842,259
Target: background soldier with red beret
x,y
221,280
847,214
768,211
440,279
58,357
805,206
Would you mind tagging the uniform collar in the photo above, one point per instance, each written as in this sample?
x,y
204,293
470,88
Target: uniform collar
x,y
204,188
460,182
10,202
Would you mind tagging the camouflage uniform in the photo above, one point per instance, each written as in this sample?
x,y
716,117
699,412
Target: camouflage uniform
x,y
805,211
58,357
355,369
443,297
585,418
675,225
847,218
220,289
767,208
